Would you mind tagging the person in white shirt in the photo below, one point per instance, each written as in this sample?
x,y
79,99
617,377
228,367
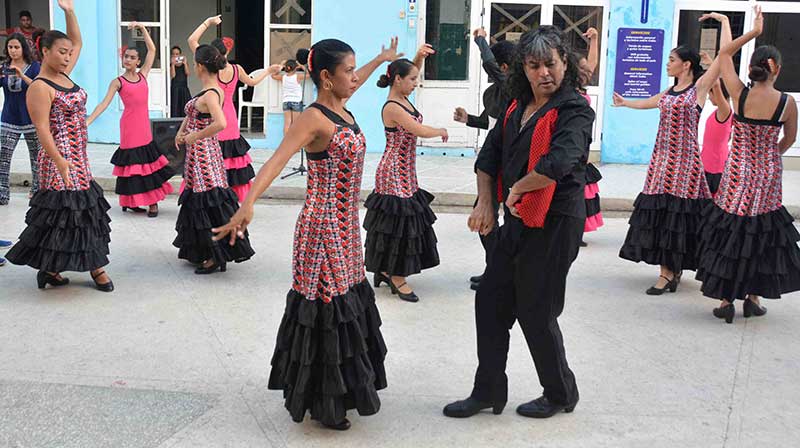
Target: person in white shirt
x,y
291,77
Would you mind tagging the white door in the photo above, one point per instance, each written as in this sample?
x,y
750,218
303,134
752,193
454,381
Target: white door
x,y
450,77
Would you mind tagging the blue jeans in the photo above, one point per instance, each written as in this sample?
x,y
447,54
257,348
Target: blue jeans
x,y
294,106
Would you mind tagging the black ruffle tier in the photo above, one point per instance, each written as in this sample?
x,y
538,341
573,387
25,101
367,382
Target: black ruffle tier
x,y
664,231
400,238
199,213
329,356
67,231
741,255
593,175
234,148
141,155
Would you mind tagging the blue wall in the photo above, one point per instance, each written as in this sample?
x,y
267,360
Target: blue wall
x,y
628,134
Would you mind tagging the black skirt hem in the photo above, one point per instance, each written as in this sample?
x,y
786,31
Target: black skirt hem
x,y
129,186
234,148
400,237
67,231
199,213
141,155
743,255
240,176
664,231
593,175
329,357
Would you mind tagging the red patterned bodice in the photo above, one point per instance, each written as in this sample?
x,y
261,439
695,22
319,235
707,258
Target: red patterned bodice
x,y
205,168
751,184
328,259
68,126
397,171
676,167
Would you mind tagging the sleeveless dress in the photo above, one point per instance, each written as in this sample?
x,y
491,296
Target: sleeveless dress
x,y
329,352
748,243
206,201
399,222
591,193
142,171
238,163
179,93
666,217
68,228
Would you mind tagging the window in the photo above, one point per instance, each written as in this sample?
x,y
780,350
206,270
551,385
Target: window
x,y
289,28
448,30
510,20
704,36
574,21
140,11
780,30
147,12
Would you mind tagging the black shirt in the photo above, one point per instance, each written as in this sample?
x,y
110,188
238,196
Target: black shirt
x,y
507,150
494,98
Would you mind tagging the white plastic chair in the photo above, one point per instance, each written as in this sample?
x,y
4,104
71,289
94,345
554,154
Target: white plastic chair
x,y
259,100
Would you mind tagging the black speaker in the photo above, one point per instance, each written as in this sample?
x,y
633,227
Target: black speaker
x,y
164,132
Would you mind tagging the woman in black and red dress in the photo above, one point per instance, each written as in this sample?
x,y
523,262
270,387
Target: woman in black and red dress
x,y
207,200
68,224
329,351
666,217
399,223
748,246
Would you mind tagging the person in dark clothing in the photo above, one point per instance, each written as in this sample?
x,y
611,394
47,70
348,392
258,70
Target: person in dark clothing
x,y
537,155
496,61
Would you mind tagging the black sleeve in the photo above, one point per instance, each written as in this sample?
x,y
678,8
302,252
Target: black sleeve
x,y
489,62
490,157
569,145
481,121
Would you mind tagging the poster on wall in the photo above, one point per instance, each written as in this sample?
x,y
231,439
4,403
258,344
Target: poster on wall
x,y
640,53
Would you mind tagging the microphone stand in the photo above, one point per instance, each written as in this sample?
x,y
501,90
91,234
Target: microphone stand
x,y
300,169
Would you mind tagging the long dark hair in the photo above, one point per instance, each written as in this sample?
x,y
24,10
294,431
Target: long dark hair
x,y
400,67
23,43
759,62
48,39
685,53
540,44
210,58
326,55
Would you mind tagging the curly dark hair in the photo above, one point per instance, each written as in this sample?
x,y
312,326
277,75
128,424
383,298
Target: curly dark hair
x,y
540,44
26,50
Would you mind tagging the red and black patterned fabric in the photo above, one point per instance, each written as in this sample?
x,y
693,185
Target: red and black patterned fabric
x,y
399,221
206,201
748,240
329,352
68,228
666,218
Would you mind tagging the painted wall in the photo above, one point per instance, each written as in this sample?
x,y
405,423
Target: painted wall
x,y
629,135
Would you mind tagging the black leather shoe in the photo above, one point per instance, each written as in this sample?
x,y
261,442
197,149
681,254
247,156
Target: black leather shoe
x,y
204,270
105,287
408,297
476,278
544,408
474,286
725,312
751,309
379,278
471,406
43,279
671,286
344,425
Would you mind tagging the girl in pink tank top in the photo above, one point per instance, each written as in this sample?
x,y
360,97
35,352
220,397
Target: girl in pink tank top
x,y
716,137
142,172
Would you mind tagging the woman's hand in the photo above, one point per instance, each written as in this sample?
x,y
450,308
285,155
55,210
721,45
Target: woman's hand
x,y
64,167
66,5
236,227
213,20
618,100
390,54
591,33
758,20
190,138
713,15
460,115
424,51
443,134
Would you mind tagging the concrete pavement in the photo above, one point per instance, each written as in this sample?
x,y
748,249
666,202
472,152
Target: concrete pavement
x,y
174,360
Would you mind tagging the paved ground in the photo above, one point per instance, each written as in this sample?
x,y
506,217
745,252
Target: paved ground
x,y
175,360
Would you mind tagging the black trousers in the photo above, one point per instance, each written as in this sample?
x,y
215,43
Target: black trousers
x,y
525,281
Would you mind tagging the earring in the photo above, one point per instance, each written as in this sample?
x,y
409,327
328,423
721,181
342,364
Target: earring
x,y
328,85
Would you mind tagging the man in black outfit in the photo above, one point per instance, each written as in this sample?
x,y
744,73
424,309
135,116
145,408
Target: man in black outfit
x,y
526,277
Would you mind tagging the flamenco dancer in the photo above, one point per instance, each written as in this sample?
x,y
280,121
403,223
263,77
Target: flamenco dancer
x,y
207,200
548,130
238,163
717,135
666,217
399,222
748,243
587,65
329,351
142,172
68,224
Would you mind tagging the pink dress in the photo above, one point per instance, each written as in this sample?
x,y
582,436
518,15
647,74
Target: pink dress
x,y
238,163
142,171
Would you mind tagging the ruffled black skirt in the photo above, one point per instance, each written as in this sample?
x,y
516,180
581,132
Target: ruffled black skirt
x,y
742,255
67,231
664,231
199,213
329,356
234,149
400,238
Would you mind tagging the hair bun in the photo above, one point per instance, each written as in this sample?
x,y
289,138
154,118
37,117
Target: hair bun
x,y
384,81
302,56
758,73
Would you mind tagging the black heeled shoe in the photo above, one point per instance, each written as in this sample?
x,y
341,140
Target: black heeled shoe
x,y
471,406
152,213
725,312
476,278
134,209
379,278
104,287
750,308
671,286
344,425
43,279
409,297
203,270
544,408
